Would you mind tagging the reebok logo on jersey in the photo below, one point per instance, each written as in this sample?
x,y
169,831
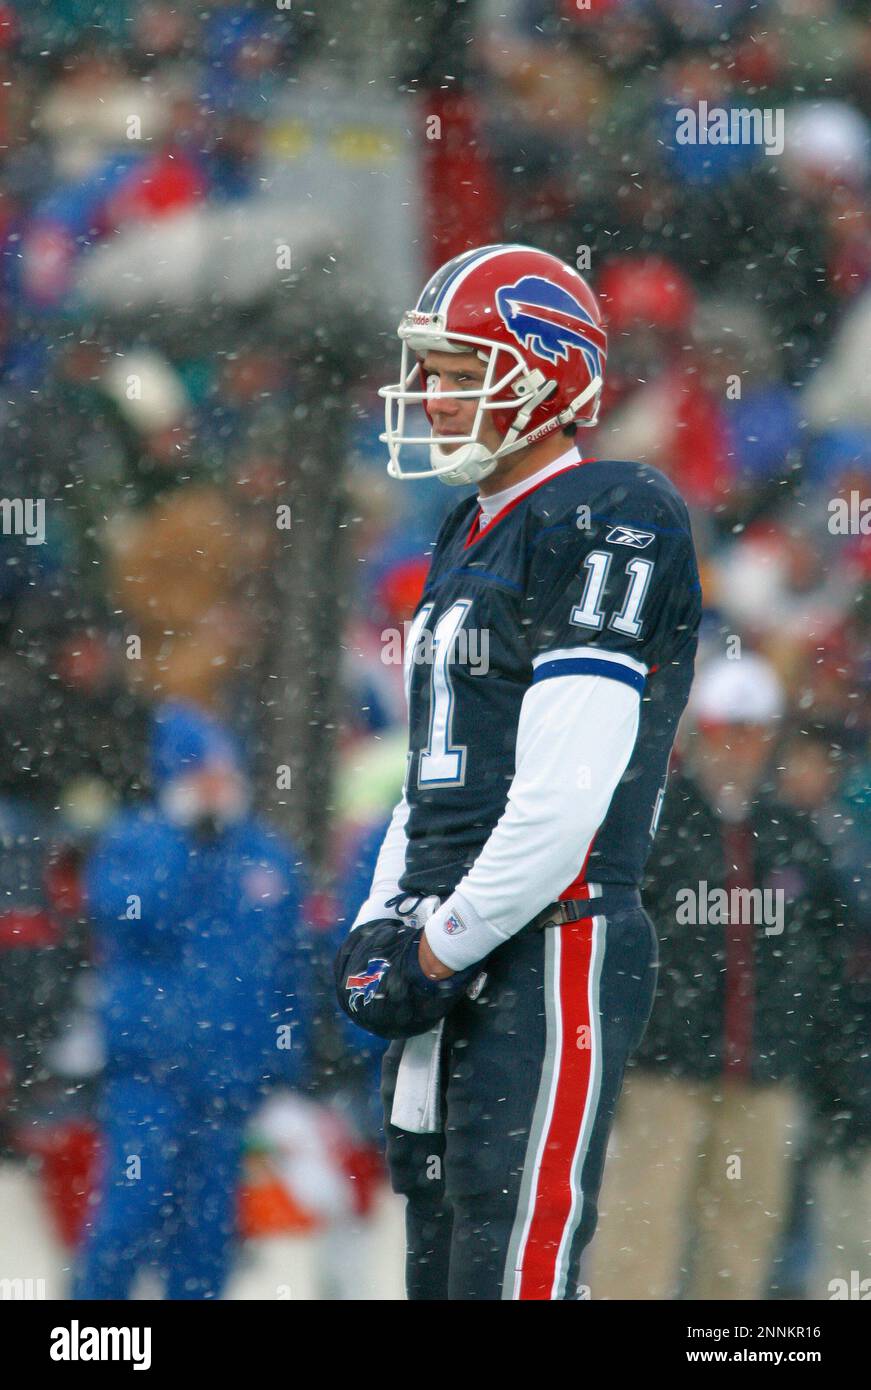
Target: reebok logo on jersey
x,y
627,535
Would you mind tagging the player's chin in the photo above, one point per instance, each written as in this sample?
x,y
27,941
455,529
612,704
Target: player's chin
x,y
448,443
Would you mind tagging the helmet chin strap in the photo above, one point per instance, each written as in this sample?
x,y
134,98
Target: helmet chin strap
x,y
471,463
474,462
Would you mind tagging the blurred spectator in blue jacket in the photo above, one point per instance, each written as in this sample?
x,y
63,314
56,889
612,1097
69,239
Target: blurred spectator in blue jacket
x,y
205,975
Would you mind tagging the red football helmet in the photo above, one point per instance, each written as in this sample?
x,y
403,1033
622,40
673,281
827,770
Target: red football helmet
x,y
536,324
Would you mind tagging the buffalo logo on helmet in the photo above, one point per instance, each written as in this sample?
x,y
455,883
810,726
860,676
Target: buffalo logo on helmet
x,y
547,320
364,986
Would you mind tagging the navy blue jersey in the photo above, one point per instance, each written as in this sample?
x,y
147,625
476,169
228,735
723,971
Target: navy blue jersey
x,y
598,556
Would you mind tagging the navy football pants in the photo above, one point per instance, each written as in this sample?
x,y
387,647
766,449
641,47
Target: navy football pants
x,y
502,1202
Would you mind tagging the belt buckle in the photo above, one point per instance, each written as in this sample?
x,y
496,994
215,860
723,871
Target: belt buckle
x,y
574,910
566,911
551,916
562,913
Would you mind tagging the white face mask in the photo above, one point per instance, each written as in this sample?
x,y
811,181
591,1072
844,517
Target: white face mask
x,y
515,388
217,792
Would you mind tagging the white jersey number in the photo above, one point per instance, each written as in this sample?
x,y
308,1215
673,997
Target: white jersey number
x,y
442,763
588,613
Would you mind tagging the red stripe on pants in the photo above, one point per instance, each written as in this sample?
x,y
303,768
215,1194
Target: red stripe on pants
x,y
552,1196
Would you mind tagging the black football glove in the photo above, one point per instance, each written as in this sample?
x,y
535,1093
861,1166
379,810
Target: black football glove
x,y
381,987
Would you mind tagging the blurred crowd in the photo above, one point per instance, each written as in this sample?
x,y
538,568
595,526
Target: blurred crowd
x,y
736,283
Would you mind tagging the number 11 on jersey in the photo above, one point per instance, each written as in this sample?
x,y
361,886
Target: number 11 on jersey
x,y
588,612
441,762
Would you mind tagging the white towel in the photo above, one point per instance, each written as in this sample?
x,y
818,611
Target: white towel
x,y
416,1098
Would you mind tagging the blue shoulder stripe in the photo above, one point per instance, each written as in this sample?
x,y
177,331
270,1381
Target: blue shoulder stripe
x,y
587,666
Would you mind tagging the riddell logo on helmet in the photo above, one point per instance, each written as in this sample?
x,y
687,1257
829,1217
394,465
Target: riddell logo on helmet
x,y
547,428
415,319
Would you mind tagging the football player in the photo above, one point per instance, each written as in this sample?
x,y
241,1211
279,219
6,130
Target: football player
x,y
503,945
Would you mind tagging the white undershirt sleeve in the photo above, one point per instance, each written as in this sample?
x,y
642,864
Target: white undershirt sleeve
x,y
389,868
575,737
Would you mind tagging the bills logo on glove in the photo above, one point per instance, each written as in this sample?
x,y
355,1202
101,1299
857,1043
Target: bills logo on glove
x,y
364,986
378,964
